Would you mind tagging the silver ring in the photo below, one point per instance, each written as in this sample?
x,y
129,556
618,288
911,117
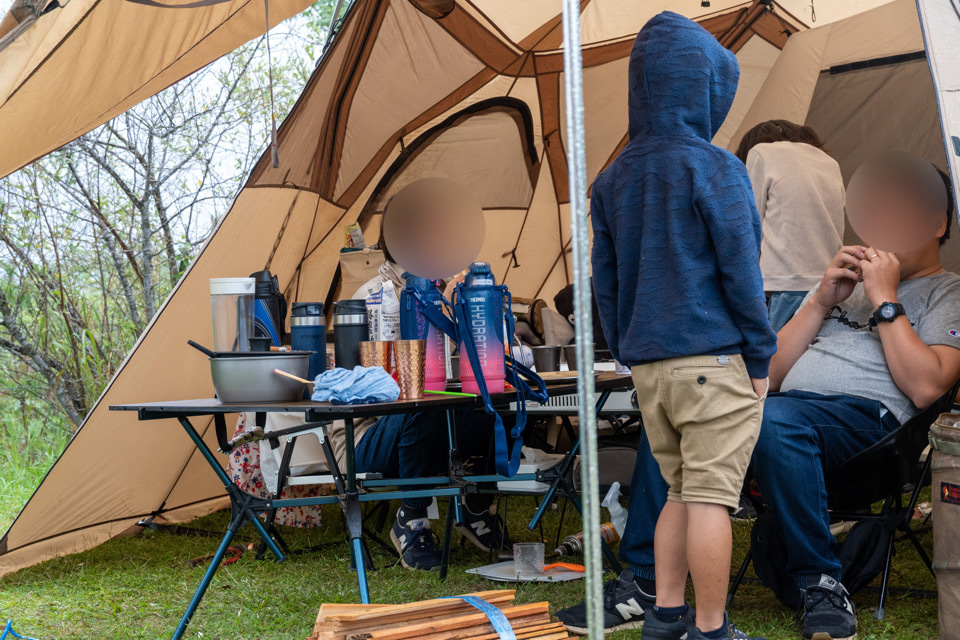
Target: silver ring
x,y
874,256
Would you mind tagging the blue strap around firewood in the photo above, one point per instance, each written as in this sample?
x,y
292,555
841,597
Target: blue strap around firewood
x,y
497,620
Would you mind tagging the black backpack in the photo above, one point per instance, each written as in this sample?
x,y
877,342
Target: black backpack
x,y
861,556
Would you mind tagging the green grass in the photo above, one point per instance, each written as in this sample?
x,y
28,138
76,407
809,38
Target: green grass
x,y
29,445
138,587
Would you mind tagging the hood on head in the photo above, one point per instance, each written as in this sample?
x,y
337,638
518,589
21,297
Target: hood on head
x,y
682,81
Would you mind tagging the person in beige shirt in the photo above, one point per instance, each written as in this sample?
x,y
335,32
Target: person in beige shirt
x,y
800,196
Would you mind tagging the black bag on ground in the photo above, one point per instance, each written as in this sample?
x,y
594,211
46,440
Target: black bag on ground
x,y
769,553
861,556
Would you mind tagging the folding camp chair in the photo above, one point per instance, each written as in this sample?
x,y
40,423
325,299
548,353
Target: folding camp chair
x,y
883,472
304,459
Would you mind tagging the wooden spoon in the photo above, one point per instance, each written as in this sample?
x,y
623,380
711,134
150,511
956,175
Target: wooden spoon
x,y
292,377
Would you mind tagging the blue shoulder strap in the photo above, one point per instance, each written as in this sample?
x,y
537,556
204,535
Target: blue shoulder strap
x,y
507,456
437,318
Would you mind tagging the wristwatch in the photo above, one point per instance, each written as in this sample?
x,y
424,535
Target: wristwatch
x,y
887,312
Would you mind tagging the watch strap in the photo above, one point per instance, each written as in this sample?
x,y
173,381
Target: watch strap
x,y
877,318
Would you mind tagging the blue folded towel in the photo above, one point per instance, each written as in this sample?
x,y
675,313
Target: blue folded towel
x,y
360,386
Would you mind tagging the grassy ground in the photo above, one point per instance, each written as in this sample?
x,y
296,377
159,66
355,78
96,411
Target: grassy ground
x,y
138,587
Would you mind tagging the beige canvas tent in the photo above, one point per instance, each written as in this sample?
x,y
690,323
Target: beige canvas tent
x,y
864,85
67,67
466,90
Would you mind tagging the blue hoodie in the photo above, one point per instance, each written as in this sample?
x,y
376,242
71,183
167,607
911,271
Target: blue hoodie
x,y
676,234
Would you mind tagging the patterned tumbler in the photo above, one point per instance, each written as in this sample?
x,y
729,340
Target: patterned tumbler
x,y
375,353
410,356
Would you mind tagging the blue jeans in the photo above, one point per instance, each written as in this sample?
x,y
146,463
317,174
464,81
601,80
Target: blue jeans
x,y
648,494
782,306
804,436
416,445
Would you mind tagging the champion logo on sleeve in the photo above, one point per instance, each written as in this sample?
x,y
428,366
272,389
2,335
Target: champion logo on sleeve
x,y
954,333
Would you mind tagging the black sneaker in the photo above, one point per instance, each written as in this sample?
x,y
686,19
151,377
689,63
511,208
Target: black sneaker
x,y
746,510
486,530
416,543
624,607
732,632
829,614
656,629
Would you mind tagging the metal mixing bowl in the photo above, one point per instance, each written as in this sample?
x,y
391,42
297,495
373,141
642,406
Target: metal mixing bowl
x,y
251,379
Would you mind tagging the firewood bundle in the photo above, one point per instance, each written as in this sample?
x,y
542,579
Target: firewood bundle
x,y
441,619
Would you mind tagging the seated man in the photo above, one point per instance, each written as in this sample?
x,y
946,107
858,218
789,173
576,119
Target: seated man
x,y
872,345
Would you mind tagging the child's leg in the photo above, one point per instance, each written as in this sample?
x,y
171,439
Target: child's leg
x,y
709,541
670,553
669,541
717,412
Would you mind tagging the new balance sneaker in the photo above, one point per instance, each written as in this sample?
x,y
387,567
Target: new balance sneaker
x,y
624,607
486,530
416,543
828,612
732,633
656,629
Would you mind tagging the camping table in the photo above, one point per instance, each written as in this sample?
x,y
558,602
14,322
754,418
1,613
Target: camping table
x,y
246,507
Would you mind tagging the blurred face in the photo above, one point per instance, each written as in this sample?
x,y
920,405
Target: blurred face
x,y
896,202
434,228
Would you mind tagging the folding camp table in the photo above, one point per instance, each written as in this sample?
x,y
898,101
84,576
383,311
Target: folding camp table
x,y
246,507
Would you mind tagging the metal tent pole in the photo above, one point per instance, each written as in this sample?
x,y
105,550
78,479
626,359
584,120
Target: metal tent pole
x,y
576,165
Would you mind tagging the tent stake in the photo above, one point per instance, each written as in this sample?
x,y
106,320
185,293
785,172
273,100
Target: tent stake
x,y
576,164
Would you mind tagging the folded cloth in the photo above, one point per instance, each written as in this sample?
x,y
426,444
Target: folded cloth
x,y
360,386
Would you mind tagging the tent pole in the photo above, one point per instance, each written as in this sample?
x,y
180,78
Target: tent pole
x,y
333,25
576,165
939,23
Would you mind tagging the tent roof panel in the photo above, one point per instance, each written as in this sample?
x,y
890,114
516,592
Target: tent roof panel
x,y
47,101
411,51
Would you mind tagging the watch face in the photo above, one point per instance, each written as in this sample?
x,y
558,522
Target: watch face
x,y
887,311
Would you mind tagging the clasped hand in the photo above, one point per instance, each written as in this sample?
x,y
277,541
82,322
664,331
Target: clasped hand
x,y
879,271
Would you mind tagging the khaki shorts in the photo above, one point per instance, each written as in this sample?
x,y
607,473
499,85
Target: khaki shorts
x,y
702,418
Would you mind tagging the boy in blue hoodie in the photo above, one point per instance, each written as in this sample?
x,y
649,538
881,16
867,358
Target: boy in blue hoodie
x,y
676,239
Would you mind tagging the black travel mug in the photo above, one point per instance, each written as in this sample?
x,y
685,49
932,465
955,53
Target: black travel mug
x,y
349,330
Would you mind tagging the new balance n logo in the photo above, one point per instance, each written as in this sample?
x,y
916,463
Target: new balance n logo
x,y
480,528
629,609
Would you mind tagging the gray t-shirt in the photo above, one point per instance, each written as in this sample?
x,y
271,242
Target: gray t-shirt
x,y
846,357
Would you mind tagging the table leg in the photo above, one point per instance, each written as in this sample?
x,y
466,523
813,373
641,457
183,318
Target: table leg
x,y
447,531
356,549
455,463
241,502
353,514
562,471
202,589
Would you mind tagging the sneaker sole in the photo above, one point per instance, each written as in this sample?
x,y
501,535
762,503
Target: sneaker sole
x,y
822,635
583,631
399,548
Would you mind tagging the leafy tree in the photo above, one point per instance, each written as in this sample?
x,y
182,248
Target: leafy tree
x,y
94,236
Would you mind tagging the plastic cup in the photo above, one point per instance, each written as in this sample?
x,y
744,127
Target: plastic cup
x,y
231,303
410,357
528,558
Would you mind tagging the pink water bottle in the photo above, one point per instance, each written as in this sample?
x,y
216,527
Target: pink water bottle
x,y
415,325
484,303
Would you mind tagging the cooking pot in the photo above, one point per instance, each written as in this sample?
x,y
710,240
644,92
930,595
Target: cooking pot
x,y
251,378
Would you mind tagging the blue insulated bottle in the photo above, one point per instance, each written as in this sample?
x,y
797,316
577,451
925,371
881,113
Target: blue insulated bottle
x,y
484,318
414,325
